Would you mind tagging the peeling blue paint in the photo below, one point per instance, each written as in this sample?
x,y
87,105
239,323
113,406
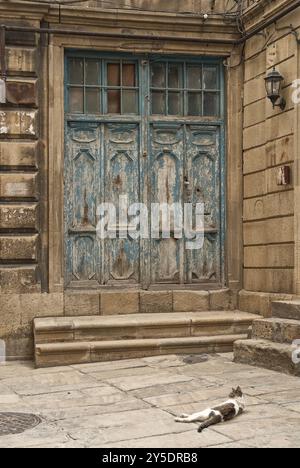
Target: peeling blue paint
x,y
149,159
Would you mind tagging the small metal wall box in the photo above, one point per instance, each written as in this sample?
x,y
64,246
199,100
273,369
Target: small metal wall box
x,y
284,175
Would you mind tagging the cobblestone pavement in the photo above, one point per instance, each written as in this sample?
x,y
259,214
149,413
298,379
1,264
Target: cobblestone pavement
x,y
132,404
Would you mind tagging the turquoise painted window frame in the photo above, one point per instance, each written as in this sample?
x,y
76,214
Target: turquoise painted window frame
x,y
145,88
184,90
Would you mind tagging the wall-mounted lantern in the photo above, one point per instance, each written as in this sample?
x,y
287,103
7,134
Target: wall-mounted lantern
x,y
273,87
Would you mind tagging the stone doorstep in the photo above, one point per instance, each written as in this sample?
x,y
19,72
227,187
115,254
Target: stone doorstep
x,y
286,309
266,354
277,330
139,326
54,354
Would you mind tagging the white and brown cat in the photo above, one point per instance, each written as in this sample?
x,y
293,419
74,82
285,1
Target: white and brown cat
x,y
228,410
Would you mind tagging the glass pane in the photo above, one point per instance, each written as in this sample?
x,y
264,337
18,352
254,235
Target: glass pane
x,y
129,75
210,78
113,74
158,103
130,102
194,77
175,76
158,72
211,104
76,100
92,101
114,102
175,106
76,71
92,72
194,104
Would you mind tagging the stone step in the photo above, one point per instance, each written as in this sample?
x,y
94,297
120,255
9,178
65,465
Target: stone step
x,y
286,309
263,353
141,326
276,329
60,354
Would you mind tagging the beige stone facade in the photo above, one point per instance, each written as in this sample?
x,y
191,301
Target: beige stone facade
x,y
263,220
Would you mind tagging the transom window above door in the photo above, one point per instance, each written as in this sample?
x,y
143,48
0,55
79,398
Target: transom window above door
x,y
105,86
102,87
185,89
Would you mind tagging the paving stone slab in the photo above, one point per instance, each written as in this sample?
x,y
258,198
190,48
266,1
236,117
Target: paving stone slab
x,y
123,406
287,396
118,427
165,389
241,429
164,362
195,396
75,398
281,440
158,378
104,366
259,387
45,433
59,445
50,383
28,368
119,373
190,439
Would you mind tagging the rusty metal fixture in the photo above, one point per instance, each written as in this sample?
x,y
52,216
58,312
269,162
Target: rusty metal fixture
x,y
16,423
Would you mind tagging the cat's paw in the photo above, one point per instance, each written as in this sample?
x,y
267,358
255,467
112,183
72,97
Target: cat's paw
x,y
180,420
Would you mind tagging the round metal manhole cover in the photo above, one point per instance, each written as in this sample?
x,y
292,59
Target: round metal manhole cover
x,y
16,423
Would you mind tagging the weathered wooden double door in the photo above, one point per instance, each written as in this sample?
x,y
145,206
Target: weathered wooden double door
x,y
149,131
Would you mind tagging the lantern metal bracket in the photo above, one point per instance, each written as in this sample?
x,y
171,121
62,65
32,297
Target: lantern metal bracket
x,y
281,102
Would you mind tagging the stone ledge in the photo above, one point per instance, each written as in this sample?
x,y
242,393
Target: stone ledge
x,y
260,303
266,354
277,330
48,355
142,326
286,309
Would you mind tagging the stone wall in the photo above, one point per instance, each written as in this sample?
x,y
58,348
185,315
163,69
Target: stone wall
x,y
268,143
187,6
23,194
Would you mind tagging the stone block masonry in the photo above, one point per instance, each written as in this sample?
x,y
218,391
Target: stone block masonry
x,y
269,142
22,194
